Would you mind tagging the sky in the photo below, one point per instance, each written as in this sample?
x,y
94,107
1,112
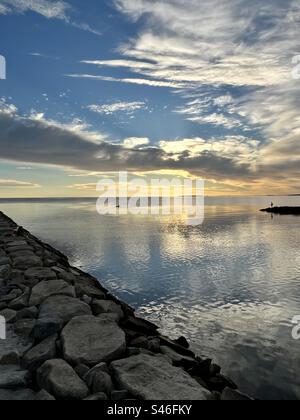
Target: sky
x,y
201,88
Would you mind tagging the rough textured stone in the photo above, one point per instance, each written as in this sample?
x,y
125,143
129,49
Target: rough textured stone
x,y
110,317
22,301
46,327
153,378
102,367
119,395
107,306
24,327
82,371
44,396
12,376
27,262
17,395
140,325
45,289
14,343
14,294
220,382
19,248
40,274
44,351
165,341
9,315
92,340
60,380
64,308
154,345
28,313
22,254
4,260
12,358
86,299
5,271
176,357
182,341
140,343
97,397
86,286
100,381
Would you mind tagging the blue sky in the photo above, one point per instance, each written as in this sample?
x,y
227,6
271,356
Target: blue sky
x,y
203,87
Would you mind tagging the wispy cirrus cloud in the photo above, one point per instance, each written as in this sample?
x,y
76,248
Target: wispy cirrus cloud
x,y
215,45
110,109
59,9
3,9
46,8
133,81
11,183
199,111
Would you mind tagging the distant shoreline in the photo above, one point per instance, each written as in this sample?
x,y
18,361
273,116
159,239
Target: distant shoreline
x,y
30,199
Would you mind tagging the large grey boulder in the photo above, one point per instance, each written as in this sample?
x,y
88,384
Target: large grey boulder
x,y
89,287
59,379
63,308
90,340
99,380
45,289
40,273
12,376
39,354
23,263
154,378
16,242
22,301
176,357
107,307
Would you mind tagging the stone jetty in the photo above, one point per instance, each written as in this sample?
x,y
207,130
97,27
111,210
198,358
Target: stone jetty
x,y
288,211
65,337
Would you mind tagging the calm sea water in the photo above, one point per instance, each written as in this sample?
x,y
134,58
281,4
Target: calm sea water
x,y
231,285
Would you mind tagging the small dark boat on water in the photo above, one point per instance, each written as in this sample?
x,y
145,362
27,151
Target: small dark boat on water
x,y
283,210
